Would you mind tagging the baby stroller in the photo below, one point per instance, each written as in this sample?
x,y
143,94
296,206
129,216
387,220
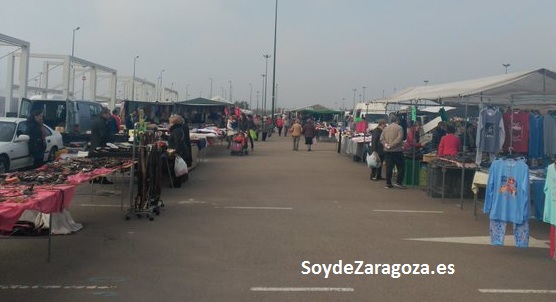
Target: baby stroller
x,y
239,144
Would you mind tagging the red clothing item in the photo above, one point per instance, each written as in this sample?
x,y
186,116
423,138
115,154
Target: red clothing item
x,y
518,130
449,145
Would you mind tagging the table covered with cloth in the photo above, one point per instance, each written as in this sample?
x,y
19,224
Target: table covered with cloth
x,y
44,198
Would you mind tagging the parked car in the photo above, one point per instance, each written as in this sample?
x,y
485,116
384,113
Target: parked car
x,y
14,149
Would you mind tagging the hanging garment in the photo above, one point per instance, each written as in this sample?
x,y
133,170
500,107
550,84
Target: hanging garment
x,y
516,125
490,130
549,134
550,195
507,192
498,232
536,135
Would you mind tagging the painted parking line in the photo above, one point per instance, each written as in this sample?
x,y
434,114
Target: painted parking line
x,y
410,211
254,208
302,289
516,291
21,286
100,205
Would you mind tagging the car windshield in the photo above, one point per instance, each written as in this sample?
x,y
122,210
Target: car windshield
x,y
7,131
375,118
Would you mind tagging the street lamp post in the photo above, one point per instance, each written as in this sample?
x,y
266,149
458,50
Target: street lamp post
x,y
426,82
231,100
71,60
265,81
354,91
133,80
83,78
250,95
160,86
364,93
506,67
257,102
263,93
274,63
210,94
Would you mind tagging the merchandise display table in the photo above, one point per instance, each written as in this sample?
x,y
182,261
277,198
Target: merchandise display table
x,y
448,166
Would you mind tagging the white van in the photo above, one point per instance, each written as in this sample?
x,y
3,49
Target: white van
x,y
66,116
371,112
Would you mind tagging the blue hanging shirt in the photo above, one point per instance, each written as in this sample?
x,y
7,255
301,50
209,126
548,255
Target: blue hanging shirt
x,y
507,193
550,195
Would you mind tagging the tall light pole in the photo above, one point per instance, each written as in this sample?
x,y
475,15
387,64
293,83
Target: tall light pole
x,y
250,95
83,78
71,60
364,93
231,99
133,80
506,67
210,94
187,92
263,93
274,63
257,102
265,81
354,91
73,41
426,82
160,86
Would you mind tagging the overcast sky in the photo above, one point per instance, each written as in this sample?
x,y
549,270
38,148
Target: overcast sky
x,y
325,48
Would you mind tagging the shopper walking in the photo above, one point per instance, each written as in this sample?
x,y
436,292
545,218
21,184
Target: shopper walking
x,y
295,131
37,142
392,139
279,125
376,146
177,146
309,131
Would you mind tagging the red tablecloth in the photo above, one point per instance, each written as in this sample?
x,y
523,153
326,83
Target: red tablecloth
x,y
46,199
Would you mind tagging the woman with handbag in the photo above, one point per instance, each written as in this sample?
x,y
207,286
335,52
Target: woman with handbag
x,y
376,146
177,148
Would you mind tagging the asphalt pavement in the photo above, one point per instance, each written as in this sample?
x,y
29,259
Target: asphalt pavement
x,y
278,225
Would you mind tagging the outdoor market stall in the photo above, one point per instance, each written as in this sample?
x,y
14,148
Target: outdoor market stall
x,y
509,105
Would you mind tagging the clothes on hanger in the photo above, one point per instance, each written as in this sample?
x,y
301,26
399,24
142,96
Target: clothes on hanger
x,y
490,132
516,125
549,134
507,199
536,135
550,204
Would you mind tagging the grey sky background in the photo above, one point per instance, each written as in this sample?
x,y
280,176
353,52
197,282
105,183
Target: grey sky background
x,y
325,48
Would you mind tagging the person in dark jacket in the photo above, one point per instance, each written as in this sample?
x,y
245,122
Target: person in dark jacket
x,y
37,142
376,146
437,134
100,135
100,132
309,131
177,146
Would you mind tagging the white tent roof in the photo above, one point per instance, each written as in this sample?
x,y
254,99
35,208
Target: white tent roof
x,y
537,86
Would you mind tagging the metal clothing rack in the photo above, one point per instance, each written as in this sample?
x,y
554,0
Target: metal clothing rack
x,y
147,201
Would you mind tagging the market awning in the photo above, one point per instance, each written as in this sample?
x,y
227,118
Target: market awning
x,y
317,109
519,87
205,102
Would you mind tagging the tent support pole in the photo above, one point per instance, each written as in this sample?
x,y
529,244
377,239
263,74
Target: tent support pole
x,y
464,149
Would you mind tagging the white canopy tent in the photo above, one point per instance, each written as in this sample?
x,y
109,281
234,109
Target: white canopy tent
x,y
536,87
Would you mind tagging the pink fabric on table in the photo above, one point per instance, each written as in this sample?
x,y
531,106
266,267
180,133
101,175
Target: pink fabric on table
x,y
87,176
47,199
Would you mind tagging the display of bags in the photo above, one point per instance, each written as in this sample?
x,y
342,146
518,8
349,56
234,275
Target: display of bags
x,y
180,166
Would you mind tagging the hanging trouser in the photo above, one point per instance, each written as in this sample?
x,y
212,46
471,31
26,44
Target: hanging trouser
x,y
498,231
